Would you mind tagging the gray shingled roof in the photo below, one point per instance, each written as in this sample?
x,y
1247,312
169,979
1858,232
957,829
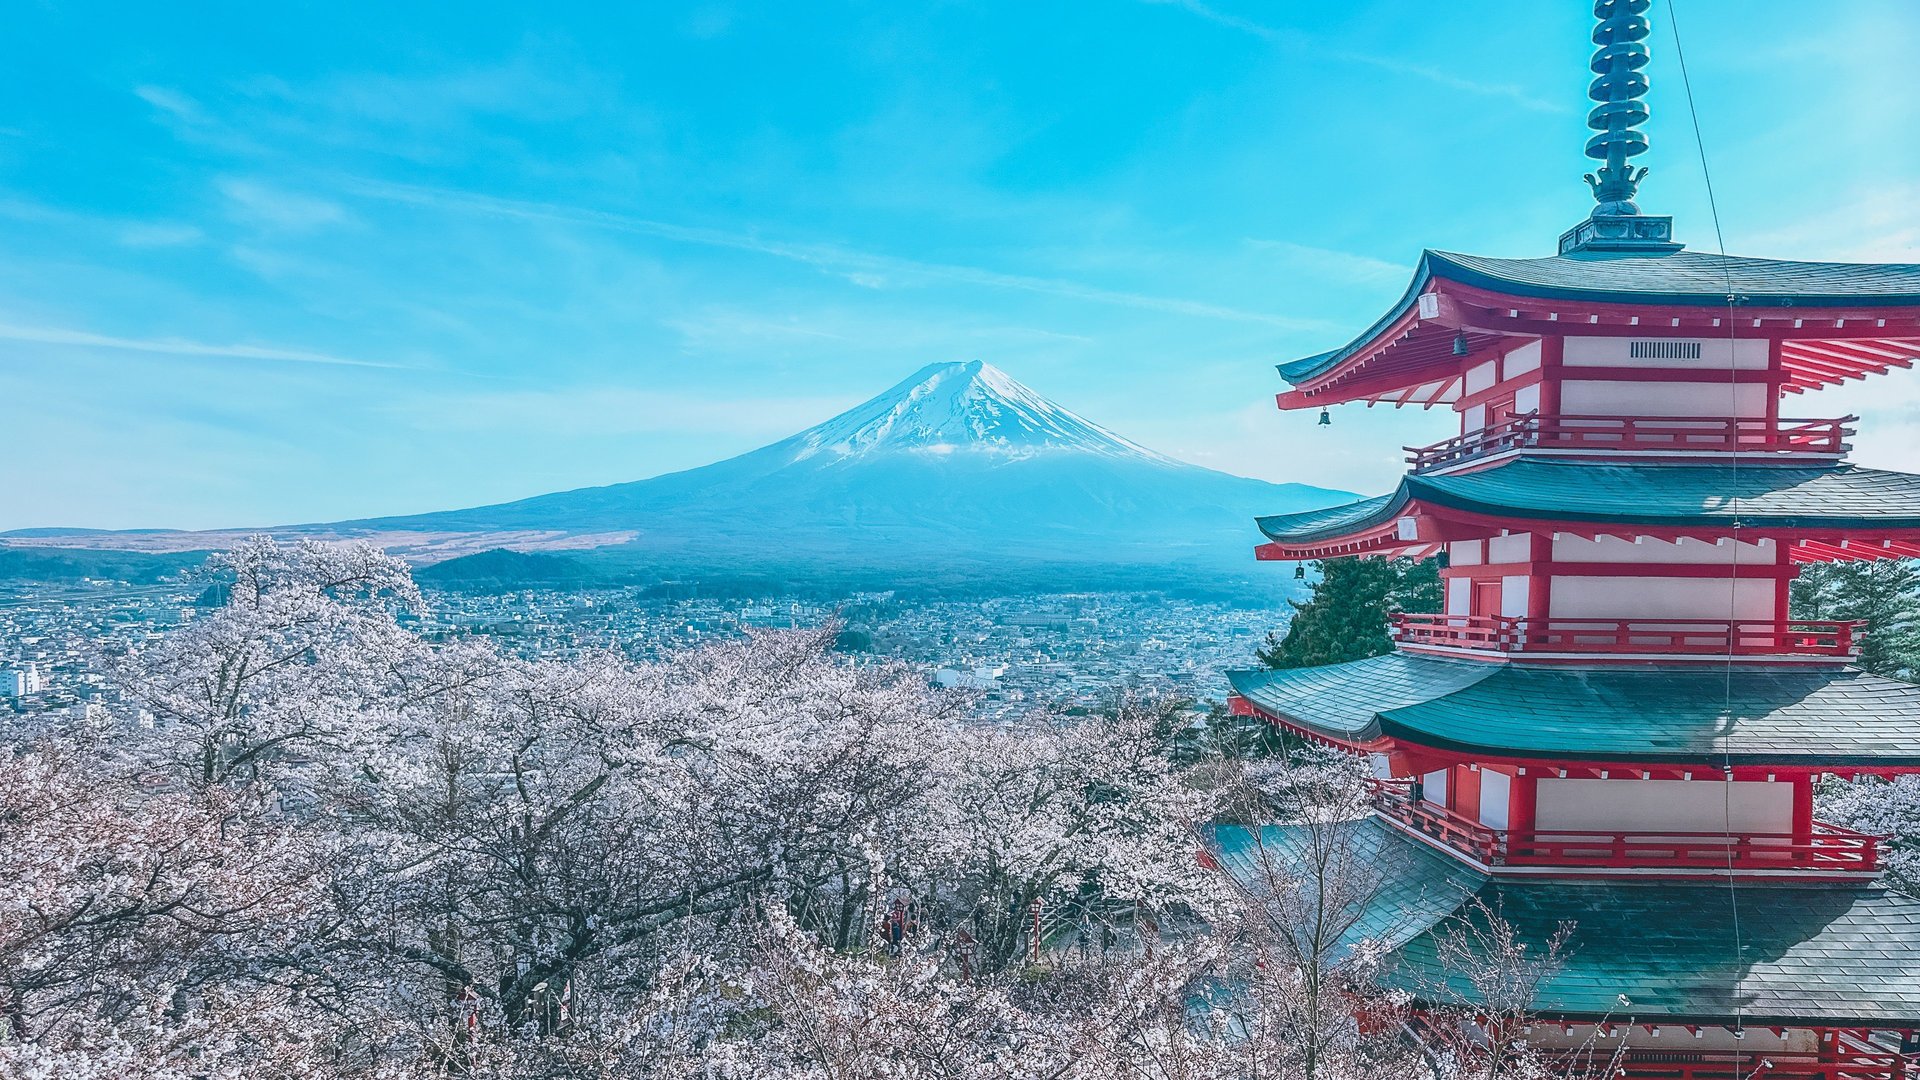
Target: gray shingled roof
x,y
1837,954
1753,714
1654,494
1687,278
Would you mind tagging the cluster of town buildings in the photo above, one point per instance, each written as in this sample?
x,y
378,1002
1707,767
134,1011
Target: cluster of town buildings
x,y
1017,653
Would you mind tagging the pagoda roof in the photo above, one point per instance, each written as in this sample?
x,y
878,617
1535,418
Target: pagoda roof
x,y
1807,954
1654,495
1687,277
1747,715
1616,283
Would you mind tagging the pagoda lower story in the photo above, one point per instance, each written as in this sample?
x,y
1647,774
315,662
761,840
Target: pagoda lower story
x,y
1687,981
1660,811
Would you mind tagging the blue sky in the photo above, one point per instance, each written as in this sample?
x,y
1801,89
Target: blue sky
x,y
271,263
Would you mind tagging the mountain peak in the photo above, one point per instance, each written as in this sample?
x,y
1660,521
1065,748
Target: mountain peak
x,y
962,406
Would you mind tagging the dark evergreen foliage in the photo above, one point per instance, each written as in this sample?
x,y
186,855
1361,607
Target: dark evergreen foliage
x,y
1347,617
1223,736
1884,592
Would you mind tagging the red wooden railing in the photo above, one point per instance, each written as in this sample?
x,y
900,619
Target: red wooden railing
x,y
1707,637
1828,847
1853,1056
1641,434
1755,1065
1394,799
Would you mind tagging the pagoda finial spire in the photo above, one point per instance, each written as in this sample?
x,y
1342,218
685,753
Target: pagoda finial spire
x,y
1619,88
1620,84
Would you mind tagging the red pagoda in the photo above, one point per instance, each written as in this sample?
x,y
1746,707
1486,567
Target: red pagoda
x,y
1615,722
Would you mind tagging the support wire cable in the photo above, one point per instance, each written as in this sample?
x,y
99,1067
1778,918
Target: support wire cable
x,y
1733,578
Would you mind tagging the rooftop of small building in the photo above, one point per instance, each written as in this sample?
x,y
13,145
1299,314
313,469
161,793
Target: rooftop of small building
x,y
1831,717
1801,954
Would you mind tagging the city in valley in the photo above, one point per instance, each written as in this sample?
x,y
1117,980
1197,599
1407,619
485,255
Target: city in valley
x,y
1060,652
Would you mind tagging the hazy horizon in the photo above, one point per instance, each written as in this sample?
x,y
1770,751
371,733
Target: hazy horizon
x,y
274,266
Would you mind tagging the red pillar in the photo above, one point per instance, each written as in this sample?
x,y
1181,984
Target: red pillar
x,y
1553,351
1526,797
1803,808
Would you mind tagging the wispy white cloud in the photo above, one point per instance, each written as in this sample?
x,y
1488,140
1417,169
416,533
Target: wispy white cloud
x,y
1875,225
867,269
723,327
1344,265
173,103
1298,41
160,234
55,335
261,204
602,411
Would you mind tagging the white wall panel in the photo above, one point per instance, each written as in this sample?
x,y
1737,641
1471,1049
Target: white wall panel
x,y
1663,805
1512,548
1496,797
1459,596
1480,377
1748,354
1521,360
1513,596
1614,549
1660,598
1616,398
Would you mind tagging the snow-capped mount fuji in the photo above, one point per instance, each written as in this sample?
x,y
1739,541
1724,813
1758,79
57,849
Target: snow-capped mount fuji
x,y
960,465
971,407
959,474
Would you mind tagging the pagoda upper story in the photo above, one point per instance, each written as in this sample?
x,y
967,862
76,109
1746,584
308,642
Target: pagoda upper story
x,y
1608,353
1623,485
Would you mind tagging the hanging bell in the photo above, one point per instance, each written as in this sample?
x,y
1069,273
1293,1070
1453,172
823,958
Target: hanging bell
x,y
1299,571
1325,418
1461,346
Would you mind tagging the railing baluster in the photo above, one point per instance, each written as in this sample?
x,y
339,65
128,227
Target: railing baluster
x,y
1828,847
1684,636
1638,433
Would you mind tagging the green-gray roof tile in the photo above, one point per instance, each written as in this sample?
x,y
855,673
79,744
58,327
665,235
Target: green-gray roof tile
x,y
1642,713
1837,954
1652,494
1806,953
1687,277
1684,278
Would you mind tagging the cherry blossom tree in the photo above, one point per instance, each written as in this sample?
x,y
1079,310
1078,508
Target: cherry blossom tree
x,y
1089,815
305,641
140,925
342,850
1889,808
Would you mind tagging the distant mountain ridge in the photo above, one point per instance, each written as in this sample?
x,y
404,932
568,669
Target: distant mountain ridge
x,y
959,466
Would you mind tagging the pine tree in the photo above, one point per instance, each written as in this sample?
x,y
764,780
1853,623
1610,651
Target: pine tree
x,y
1347,617
1884,592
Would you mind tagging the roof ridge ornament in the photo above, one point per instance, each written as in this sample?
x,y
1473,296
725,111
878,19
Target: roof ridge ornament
x,y
1619,87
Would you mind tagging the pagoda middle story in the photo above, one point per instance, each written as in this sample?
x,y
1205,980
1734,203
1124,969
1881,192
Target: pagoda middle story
x,y
1615,722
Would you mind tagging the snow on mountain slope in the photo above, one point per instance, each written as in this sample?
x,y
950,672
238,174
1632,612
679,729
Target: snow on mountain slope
x,y
958,466
959,461
973,406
